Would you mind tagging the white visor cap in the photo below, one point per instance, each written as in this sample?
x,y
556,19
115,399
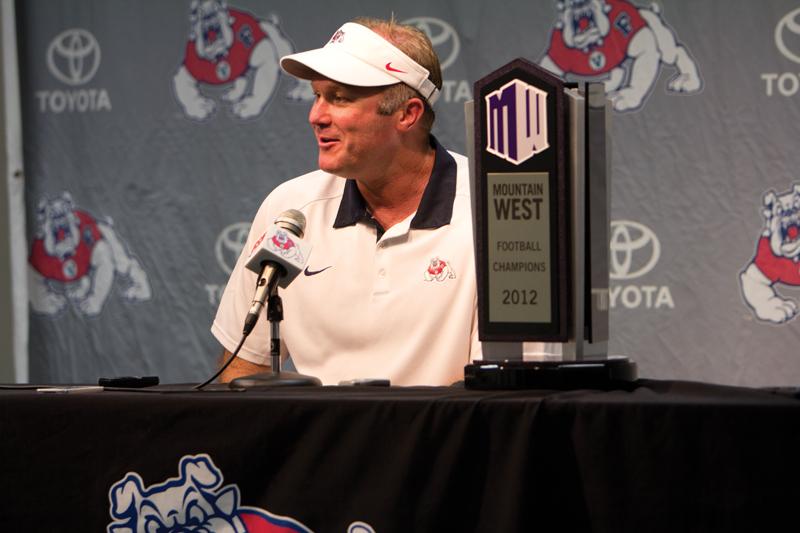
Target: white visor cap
x,y
356,55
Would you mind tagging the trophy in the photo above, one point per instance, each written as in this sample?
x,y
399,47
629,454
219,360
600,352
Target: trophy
x,y
540,187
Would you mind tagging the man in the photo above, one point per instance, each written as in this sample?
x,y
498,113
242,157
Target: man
x,y
389,291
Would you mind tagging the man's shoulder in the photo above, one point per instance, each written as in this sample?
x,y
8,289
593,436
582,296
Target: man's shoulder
x,y
309,188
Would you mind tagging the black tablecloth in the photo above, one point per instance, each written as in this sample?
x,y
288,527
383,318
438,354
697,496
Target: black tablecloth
x,y
663,456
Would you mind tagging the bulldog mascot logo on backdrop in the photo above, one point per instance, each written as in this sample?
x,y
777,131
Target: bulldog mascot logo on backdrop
x,y
777,259
75,258
229,47
194,501
623,44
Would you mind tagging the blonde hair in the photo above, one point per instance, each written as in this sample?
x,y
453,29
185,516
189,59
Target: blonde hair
x,y
416,45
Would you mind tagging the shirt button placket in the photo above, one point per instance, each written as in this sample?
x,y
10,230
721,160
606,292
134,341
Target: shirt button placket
x,y
381,269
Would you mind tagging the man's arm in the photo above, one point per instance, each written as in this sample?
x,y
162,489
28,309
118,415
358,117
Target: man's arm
x,y
239,367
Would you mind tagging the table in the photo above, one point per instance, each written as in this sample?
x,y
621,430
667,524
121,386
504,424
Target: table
x,y
662,456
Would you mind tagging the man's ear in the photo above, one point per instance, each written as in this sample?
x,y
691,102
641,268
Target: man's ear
x,y
410,113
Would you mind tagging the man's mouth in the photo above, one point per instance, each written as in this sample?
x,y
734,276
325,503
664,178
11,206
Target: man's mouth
x,y
325,141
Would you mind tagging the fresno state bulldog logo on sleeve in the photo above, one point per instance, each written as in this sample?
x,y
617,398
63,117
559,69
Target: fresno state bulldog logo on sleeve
x,y
621,43
75,259
777,259
229,47
196,500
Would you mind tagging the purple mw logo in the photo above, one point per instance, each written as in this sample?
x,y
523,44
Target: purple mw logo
x,y
516,121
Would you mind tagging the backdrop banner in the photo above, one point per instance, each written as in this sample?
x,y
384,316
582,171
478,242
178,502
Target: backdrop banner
x,y
153,130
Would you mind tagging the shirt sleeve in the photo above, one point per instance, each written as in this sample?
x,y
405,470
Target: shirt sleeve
x,y
237,298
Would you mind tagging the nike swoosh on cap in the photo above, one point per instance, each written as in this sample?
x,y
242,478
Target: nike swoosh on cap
x,y
391,68
308,272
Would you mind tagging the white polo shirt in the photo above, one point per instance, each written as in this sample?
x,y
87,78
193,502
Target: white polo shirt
x,y
401,305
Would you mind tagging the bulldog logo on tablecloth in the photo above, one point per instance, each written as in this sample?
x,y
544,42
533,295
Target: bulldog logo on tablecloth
x,y
777,259
621,44
229,47
193,501
196,500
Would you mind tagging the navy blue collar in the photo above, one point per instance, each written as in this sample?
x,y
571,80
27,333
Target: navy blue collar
x,y
435,208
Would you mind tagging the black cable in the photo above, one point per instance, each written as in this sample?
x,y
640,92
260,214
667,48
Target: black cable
x,y
249,323
226,365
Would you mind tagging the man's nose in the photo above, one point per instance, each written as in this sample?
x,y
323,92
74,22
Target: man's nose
x,y
318,116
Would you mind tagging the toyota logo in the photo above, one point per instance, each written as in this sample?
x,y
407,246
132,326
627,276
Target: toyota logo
x,y
442,35
634,250
229,245
73,56
789,29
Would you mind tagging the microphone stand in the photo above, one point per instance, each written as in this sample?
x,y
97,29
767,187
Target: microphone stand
x,y
275,377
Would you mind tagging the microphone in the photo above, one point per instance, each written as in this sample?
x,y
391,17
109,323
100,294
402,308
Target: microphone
x,y
278,256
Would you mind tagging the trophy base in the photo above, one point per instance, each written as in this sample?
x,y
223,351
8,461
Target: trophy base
x,y
269,380
611,373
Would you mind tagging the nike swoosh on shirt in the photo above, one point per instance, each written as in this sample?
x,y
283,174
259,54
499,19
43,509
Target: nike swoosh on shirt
x,y
391,68
308,272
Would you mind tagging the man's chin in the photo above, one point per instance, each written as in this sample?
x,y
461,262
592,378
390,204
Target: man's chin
x,y
332,167
327,167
